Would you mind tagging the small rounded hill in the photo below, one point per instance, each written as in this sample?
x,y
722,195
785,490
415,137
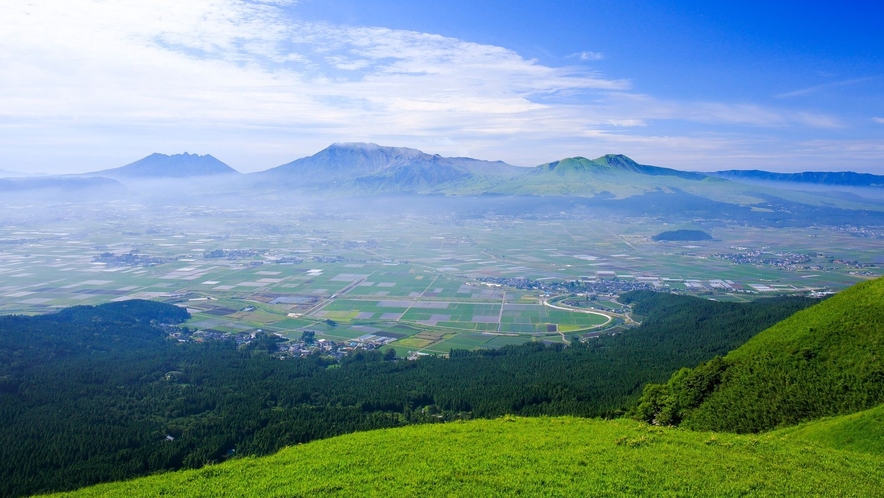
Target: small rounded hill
x,y
681,236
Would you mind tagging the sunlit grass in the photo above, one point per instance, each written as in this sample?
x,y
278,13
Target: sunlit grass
x,y
530,457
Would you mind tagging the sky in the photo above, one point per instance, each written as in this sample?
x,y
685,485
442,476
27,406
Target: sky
x,y
785,86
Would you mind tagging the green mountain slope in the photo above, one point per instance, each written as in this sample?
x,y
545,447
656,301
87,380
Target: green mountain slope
x,y
826,360
611,164
862,431
618,176
529,457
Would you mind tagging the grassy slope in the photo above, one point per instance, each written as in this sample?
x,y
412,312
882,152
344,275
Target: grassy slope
x,y
862,432
823,361
533,457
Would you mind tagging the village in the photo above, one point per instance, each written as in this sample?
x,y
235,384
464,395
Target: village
x,y
279,346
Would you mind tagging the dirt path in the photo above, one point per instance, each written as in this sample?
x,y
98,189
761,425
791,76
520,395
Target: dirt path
x,y
500,316
418,298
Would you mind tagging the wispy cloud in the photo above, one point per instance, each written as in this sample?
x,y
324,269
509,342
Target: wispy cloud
x,y
587,56
249,74
248,61
825,86
878,120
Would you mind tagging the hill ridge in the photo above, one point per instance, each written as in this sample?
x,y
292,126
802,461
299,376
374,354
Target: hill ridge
x,y
840,178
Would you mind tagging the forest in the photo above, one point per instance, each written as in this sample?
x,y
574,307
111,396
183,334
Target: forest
x,y
97,394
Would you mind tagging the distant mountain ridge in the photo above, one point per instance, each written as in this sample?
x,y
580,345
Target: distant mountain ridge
x,y
841,178
353,170
345,170
5,173
159,165
611,164
372,167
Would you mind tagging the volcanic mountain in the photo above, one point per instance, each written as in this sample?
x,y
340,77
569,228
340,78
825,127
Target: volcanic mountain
x,y
157,166
371,167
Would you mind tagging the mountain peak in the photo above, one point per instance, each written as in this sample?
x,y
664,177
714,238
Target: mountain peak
x,y
617,160
159,165
369,167
610,164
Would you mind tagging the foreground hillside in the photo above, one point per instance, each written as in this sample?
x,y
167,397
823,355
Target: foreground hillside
x,y
826,360
862,431
530,456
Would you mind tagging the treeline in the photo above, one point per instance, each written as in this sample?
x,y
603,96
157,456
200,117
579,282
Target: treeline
x,y
98,394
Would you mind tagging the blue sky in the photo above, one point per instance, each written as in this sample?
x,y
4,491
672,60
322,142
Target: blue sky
x,y
784,86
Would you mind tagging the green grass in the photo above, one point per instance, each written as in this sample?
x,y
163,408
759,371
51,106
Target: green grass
x,y
502,340
861,432
462,341
531,457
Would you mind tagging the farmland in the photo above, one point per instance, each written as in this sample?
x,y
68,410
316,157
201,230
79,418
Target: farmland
x,y
417,283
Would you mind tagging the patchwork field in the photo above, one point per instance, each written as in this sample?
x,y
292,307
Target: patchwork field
x,y
424,284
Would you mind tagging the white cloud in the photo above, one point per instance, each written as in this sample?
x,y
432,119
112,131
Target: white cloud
x,y
247,62
247,75
878,120
825,86
588,56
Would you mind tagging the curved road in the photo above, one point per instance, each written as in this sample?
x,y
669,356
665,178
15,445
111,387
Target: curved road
x,y
575,310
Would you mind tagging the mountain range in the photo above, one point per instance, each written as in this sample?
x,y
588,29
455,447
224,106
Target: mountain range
x,y
371,168
349,173
5,173
839,178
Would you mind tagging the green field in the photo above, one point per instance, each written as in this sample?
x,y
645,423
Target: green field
x,y
378,273
530,457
